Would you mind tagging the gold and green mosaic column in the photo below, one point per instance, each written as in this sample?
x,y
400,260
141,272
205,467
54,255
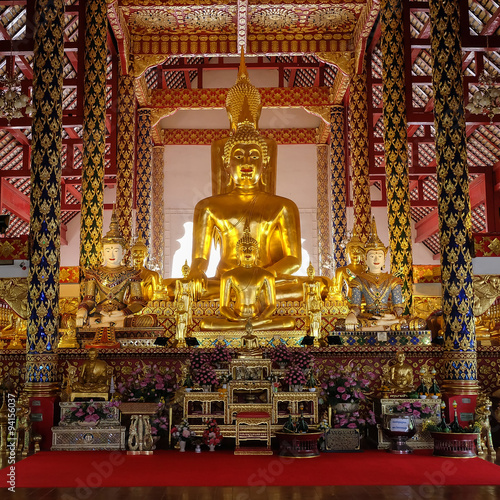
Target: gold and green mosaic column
x,y
358,146
324,213
94,133
459,355
156,254
125,155
338,187
143,180
396,146
45,200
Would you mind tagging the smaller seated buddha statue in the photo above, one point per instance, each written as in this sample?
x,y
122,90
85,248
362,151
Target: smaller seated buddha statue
x,y
250,346
254,294
382,294
150,280
94,377
313,302
112,292
345,274
397,376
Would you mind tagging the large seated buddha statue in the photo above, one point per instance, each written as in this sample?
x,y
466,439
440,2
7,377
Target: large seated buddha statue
x,y
381,292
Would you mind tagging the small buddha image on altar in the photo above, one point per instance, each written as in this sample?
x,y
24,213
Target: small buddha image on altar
x,y
397,376
92,380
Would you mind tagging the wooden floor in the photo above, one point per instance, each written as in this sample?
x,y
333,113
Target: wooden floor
x,y
421,492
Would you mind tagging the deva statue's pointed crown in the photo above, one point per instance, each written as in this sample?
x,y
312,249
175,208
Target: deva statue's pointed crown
x,y
375,243
243,102
114,235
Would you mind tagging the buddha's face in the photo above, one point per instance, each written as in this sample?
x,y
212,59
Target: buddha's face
x,y
247,254
112,254
138,258
355,254
375,260
245,164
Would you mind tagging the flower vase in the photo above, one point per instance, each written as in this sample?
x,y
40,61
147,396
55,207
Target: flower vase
x,y
182,446
211,447
206,388
197,449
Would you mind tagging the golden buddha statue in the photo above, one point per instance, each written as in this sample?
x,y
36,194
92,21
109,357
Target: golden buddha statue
x,y
345,274
94,378
243,104
250,346
254,292
397,375
382,293
313,302
151,280
112,292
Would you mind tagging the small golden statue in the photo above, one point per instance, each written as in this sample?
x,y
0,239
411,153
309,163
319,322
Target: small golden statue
x,y
397,376
250,346
68,339
345,274
94,379
150,280
313,302
254,290
482,417
183,301
486,291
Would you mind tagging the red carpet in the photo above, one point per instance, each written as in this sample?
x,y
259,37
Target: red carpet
x,y
222,468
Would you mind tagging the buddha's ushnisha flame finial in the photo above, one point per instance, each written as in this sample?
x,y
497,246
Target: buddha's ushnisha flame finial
x,y
243,102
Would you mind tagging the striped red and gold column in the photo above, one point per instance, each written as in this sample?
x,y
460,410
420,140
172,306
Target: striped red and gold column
x,y
125,155
454,210
338,185
143,179
396,145
324,213
358,146
94,133
156,254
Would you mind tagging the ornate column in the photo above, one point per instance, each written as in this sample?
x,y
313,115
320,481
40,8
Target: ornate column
x,y
143,181
338,185
324,211
358,142
396,145
156,254
459,355
94,133
125,155
45,208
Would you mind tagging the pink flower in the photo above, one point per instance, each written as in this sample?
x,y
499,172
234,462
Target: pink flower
x,y
341,389
352,426
345,397
186,433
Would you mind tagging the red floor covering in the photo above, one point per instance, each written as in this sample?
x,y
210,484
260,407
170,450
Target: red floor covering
x,y
221,468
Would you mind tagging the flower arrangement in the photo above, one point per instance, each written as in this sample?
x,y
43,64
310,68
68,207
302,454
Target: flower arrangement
x,y
280,354
199,357
212,435
91,412
345,385
302,358
416,408
220,354
295,376
148,383
182,432
205,375
355,420
159,425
